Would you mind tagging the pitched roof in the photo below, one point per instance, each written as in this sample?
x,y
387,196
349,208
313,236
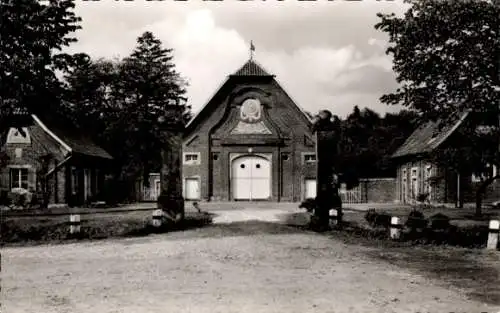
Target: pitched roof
x,y
71,139
251,68
428,137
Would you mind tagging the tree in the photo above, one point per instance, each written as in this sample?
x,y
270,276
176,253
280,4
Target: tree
x,y
446,57
33,34
368,141
120,102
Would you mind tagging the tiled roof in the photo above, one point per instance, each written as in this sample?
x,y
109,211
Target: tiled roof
x,y
81,144
428,137
251,68
74,139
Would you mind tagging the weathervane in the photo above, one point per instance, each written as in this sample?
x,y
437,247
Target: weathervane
x,y
252,49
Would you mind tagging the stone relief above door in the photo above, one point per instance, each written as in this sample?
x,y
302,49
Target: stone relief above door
x,y
250,119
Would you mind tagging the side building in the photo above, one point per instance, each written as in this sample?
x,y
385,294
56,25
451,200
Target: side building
x,y
249,142
418,175
44,152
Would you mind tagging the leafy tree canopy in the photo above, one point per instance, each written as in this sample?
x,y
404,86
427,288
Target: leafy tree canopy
x,y
446,55
33,33
120,102
368,140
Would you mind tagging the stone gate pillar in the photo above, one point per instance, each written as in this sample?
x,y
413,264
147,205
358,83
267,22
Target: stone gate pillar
x,y
327,181
171,201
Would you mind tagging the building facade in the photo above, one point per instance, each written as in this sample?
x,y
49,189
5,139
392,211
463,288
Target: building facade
x,y
250,142
419,177
70,166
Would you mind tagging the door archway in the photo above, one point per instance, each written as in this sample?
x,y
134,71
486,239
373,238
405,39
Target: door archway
x,y
251,178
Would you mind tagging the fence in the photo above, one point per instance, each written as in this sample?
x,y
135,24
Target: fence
x,y
351,196
370,190
149,194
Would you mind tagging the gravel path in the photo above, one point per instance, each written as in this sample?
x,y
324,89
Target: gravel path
x,y
226,268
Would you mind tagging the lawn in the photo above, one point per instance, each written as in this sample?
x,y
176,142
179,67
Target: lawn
x,y
462,217
39,229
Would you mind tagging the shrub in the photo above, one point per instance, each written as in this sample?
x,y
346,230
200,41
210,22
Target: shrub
x,y
308,204
370,216
422,197
416,220
20,197
439,222
376,219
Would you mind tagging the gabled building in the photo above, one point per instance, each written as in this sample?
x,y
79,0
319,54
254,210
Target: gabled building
x,y
73,166
417,175
251,141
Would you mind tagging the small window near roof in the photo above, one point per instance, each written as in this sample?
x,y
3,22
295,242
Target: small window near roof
x,y
191,158
18,135
309,158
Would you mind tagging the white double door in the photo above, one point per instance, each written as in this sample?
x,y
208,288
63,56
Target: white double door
x,y
251,178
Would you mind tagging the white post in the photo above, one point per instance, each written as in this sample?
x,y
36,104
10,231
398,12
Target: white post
x,y
395,228
494,230
74,224
157,216
333,217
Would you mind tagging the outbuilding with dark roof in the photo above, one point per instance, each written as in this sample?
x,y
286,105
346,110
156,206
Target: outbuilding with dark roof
x,y
43,149
419,177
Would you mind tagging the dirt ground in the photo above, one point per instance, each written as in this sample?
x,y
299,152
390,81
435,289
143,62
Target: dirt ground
x,y
236,267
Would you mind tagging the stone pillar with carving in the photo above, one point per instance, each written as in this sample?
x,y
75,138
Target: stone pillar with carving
x,y
171,201
327,182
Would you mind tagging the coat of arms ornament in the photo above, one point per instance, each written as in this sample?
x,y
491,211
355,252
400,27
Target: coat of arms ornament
x,y
250,110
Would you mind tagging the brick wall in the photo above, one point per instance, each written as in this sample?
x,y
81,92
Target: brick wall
x,y
280,115
27,155
378,190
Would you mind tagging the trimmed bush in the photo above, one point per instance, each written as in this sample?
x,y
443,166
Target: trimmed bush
x,y
308,204
416,220
439,222
370,216
376,219
422,197
20,197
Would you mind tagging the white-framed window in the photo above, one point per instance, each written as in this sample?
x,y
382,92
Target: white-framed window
x,y
428,185
17,136
191,158
414,183
19,178
309,157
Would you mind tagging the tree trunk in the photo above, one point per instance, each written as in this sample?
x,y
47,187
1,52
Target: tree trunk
x,y
170,199
480,192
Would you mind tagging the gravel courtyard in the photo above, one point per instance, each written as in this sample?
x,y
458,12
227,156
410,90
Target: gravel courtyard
x,y
236,267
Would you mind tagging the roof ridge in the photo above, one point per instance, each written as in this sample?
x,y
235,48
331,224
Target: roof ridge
x,y
251,68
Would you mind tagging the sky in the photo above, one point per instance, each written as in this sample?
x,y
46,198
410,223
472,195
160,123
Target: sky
x,y
325,54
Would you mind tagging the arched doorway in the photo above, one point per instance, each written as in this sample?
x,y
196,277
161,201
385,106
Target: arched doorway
x,y
251,178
